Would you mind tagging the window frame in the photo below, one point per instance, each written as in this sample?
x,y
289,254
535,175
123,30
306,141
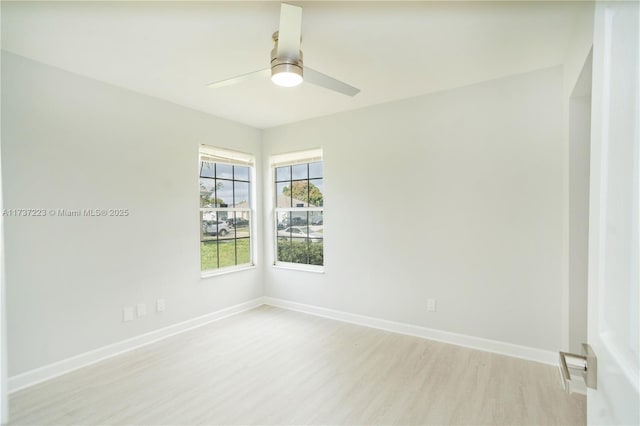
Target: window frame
x,y
291,159
234,158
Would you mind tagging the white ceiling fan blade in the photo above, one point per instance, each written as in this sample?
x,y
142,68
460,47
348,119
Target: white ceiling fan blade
x,y
289,32
323,80
241,78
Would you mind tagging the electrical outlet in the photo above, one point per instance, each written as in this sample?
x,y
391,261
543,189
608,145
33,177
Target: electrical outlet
x,y
141,309
432,305
160,305
127,313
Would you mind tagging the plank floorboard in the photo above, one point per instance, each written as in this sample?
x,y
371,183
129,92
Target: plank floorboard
x,y
273,366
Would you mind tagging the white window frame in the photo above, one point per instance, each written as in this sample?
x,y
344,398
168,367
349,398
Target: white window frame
x,y
225,156
290,159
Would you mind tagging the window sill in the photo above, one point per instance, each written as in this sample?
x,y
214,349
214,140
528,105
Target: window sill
x,y
225,271
300,267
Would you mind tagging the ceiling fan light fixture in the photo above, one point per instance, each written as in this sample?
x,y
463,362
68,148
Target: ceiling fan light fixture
x,y
286,75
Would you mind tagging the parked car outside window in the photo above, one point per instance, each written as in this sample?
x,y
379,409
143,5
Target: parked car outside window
x,y
214,227
300,232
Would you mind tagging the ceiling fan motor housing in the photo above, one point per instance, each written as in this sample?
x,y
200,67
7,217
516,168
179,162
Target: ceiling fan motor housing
x,y
284,64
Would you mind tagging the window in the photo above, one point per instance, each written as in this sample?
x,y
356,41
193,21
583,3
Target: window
x,y
298,180
226,209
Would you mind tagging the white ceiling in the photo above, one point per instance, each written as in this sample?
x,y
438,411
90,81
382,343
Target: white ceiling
x,y
389,50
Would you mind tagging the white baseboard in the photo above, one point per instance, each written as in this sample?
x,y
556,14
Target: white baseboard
x,y
503,348
50,371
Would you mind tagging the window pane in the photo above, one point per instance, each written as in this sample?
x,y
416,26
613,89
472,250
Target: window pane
x,y
299,191
223,217
206,169
224,193
317,220
208,255
315,170
316,198
241,225
299,219
208,215
227,252
283,195
224,171
283,173
243,249
240,173
299,250
208,228
284,249
282,221
207,192
225,230
225,239
316,253
299,171
241,194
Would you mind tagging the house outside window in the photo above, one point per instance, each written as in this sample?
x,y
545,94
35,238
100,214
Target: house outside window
x,y
226,210
299,210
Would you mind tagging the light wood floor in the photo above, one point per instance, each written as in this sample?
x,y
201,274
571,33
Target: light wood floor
x,y
272,366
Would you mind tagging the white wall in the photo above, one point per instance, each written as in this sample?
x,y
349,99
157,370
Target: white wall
x,y
4,403
72,142
457,196
576,110
579,47
579,155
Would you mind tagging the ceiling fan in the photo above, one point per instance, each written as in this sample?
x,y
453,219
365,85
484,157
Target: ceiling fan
x,y
287,68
